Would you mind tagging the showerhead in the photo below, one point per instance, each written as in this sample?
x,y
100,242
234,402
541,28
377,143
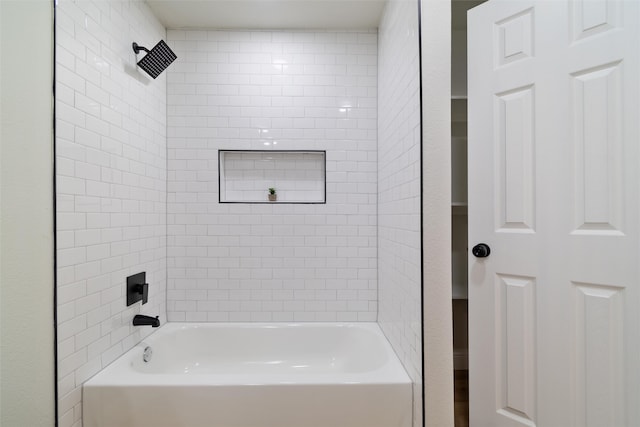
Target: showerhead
x,y
156,59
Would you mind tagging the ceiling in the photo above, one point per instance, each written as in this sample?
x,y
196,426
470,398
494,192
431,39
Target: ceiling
x,y
272,14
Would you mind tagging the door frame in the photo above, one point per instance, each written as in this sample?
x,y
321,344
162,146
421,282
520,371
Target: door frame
x,y
435,24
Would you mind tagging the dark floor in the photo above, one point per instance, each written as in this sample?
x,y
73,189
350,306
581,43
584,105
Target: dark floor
x,y
461,398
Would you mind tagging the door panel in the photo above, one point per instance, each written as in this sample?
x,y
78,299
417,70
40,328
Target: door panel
x,y
515,187
597,105
599,362
554,330
516,341
591,17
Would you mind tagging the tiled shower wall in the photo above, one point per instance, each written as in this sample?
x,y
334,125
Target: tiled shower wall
x,y
399,236
110,187
284,90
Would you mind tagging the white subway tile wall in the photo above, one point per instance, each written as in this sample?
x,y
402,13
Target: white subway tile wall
x,y
399,265
284,90
247,176
110,187
137,181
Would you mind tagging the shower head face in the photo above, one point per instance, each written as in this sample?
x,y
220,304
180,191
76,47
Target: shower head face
x,y
158,58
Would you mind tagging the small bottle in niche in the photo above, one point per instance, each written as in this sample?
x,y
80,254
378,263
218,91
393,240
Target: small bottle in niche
x,y
272,194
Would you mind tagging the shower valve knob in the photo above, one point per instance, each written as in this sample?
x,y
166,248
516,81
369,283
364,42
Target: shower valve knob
x,y
481,250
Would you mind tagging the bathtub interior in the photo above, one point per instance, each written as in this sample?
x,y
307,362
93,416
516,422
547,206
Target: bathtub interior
x,y
247,349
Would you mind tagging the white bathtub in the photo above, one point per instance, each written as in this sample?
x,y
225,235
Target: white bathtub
x,y
254,375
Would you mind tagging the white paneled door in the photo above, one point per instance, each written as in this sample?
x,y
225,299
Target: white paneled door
x,y
554,324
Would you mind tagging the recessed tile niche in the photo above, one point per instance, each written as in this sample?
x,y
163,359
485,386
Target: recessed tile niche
x,y
297,176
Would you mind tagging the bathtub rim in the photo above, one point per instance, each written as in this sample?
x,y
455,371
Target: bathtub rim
x,y
120,372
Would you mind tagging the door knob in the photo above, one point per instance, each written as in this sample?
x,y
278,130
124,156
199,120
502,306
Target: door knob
x,y
481,250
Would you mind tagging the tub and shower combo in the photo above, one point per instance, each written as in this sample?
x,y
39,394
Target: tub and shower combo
x,y
253,375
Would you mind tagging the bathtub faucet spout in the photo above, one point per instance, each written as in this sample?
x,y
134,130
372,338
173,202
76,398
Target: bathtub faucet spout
x,y
141,320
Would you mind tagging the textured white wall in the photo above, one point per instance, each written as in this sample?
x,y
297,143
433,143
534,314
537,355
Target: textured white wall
x,y
436,179
26,214
111,186
285,90
399,188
